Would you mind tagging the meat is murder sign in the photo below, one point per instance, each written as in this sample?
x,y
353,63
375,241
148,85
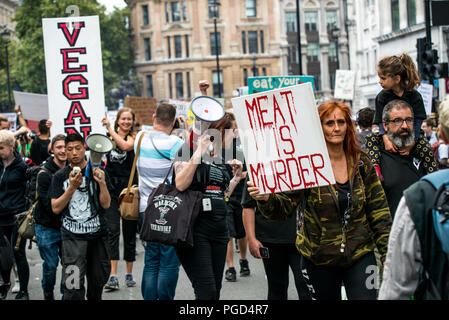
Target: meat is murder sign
x,y
282,139
74,72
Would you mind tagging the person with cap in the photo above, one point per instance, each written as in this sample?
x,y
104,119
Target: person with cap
x,y
417,264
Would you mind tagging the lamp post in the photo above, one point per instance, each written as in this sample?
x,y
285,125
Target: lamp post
x,y
214,6
298,37
6,36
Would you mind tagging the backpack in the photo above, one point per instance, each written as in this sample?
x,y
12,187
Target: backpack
x,y
30,186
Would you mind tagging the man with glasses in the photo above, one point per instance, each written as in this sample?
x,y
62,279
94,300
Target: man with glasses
x,y
401,169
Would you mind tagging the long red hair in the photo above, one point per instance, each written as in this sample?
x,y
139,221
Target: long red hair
x,y
351,144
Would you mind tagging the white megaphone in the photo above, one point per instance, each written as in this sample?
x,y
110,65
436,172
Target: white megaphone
x,y
206,110
98,144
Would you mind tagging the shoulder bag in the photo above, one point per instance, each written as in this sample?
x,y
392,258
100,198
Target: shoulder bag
x,y
128,199
170,214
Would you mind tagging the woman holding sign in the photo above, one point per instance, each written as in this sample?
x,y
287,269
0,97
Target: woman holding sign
x,y
340,225
118,167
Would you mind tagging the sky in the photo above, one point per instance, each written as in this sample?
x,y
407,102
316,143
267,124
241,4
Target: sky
x,y
109,4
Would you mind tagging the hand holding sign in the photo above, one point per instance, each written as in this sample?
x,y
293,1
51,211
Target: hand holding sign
x,y
254,192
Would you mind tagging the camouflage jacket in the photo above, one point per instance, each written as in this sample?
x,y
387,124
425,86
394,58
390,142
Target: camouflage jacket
x,y
321,234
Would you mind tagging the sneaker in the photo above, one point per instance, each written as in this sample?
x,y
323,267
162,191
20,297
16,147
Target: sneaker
x,y
4,288
22,295
112,283
49,295
16,287
129,280
231,275
244,268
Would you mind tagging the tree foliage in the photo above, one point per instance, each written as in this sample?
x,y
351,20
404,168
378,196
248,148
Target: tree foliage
x,y
27,58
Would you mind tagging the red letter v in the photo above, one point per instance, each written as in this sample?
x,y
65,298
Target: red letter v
x,y
71,38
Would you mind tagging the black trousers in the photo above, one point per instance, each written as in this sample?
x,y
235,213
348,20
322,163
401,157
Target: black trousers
x,y
324,283
129,231
85,258
283,257
204,265
23,269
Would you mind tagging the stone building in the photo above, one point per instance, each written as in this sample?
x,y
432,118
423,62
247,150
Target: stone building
x,y
7,12
175,45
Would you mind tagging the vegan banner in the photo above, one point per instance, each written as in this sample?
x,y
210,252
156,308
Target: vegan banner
x,y
282,139
74,74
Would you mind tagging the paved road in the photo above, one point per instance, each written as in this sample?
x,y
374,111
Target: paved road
x,y
253,287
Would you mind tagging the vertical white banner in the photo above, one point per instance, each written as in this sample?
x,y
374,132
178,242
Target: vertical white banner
x,y
74,74
283,140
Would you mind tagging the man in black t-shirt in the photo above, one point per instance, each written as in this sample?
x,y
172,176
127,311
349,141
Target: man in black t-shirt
x,y
81,199
39,147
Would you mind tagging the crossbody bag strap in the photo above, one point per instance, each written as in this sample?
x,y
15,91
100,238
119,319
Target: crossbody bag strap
x,y
133,170
154,146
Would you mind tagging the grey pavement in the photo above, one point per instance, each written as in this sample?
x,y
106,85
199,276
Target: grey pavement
x,y
253,287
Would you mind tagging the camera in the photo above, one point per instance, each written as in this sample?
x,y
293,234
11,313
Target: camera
x,y
179,124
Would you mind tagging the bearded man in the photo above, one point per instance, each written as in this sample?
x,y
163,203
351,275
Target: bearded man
x,y
401,169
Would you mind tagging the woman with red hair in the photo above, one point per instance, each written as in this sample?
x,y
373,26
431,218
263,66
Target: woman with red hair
x,y
340,225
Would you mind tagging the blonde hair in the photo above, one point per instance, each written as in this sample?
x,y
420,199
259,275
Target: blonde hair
x,y
7,137
402,66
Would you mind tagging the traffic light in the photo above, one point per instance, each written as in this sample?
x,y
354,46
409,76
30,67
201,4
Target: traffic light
x,y
428,65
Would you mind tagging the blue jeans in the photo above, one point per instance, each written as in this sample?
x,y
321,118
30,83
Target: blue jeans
x,y
160,273
49,243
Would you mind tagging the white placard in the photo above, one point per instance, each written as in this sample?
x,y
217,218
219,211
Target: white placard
x,y
182,107
74,74
344,84
33,106
426,91
12,118
283,140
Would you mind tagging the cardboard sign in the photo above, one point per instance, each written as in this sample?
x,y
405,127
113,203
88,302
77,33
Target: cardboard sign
x,y
261,84
182,107
283,140
344,84
74,74
144,108
12,118
32,105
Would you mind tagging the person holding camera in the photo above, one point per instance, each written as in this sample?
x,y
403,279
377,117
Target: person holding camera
x,y
81,198
12,202
39,150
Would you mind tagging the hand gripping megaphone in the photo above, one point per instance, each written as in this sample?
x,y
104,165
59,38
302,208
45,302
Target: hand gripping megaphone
x,y
98,144
206,110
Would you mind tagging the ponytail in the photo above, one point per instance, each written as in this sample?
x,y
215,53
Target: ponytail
x,y
413,78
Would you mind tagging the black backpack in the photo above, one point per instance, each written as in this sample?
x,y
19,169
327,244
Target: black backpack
x,y
31,183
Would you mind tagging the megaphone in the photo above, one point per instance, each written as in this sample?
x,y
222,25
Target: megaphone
x,y
206,110
98,144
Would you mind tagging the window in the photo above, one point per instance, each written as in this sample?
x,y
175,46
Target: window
x,y
317,82
147,46
293,53
145,15
184,11
290,21
244,42
149,86
395,15
179,85
313,51
262,45
411,12
331,19
332,80
186,37
264,72
170,86
250,8
175,10
178,46
189,94
310,20
245,77
169,47
215,83
252,42
214,11
333,52
213,49
167,12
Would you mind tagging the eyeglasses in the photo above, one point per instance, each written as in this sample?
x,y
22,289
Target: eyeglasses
x,y
399,121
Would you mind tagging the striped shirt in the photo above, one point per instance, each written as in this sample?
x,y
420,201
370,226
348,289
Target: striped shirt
x,y
151,166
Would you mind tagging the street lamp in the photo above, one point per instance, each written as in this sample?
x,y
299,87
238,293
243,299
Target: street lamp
x,y
6,36
214,7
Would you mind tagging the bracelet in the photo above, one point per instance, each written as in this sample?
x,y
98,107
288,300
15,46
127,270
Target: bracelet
x,y
19,113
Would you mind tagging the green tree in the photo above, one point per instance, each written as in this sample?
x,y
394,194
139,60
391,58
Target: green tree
x,y
28,68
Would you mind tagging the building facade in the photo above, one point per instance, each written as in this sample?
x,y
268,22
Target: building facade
x,y
7,12
175,45
324,40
